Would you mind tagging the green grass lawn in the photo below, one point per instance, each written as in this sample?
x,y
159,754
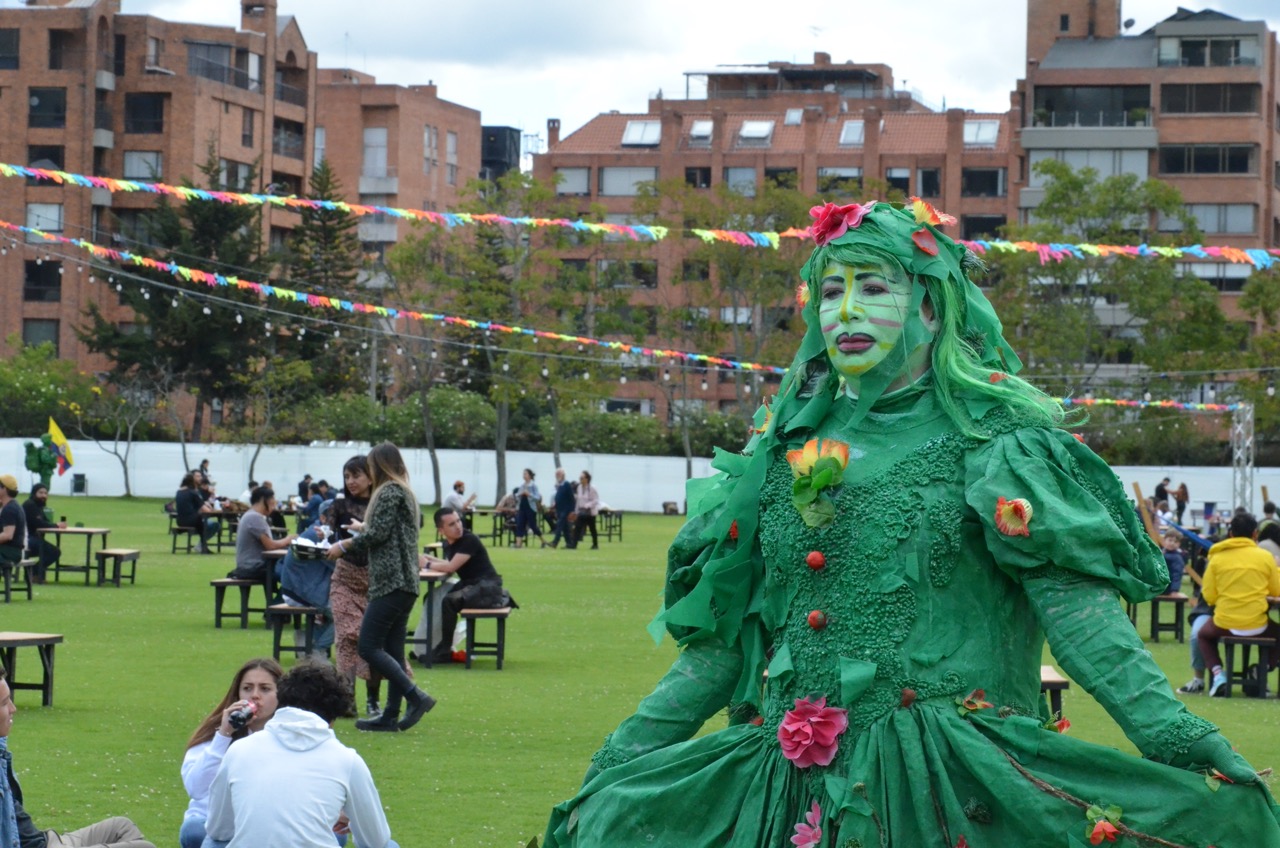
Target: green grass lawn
x,y
141,665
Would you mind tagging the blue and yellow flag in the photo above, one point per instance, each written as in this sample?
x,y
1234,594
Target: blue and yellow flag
x,y
61,446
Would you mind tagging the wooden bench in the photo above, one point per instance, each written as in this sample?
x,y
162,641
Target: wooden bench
x,y
175,531
119,557
44,643
1178,625
278,615
1053,684
1229,644
220,587
21,569
497,648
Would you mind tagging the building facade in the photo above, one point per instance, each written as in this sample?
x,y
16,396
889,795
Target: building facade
x,y
90,90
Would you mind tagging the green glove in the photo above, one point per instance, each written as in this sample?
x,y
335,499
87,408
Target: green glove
x,y
1098,647
699,684
1214,751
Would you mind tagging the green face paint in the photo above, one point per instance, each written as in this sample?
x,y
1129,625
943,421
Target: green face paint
x,y
862,312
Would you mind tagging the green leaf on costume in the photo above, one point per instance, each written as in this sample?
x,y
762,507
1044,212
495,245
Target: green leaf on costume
x,y
1094,813
805,496
1213,782
1113,813
819,513
822,479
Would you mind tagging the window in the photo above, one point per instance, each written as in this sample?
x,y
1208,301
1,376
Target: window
x,y
319,147
852,133
1064,23
1215,52
45,216
47,156
375,152
1107,162
451,158
62,53
624,182
1208,158
428,155
755,133
929,182
982,182
143,165
981,133
782,177
288,138
118,55
155,49
573,181
698,177
246,128
974,227
48,108
793,118
1209,97
741,180
739,315
234,175
840,182
700,133
642,134
899,178
695,270
1235,218
144,113
40,331
1088,106
9,42
42,281
627,274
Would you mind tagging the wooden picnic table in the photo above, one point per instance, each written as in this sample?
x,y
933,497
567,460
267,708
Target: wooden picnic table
x,y
88,533
11,641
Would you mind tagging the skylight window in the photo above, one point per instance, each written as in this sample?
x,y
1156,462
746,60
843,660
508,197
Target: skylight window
x,y
852,133
642,134
756,133
794,117
700,129
981,133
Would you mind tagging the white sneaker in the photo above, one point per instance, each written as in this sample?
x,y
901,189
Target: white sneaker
x,y
1217,689
1192,687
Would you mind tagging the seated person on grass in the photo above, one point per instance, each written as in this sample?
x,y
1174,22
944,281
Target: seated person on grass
x,y
295,784
13,522
36,511
191,512
253,537
1239,578
16,827
479,585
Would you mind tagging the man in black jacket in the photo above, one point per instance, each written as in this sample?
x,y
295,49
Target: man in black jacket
x,y
16,825
37,546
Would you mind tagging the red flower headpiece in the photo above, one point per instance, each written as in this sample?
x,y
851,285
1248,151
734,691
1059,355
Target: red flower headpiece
x,y
831,221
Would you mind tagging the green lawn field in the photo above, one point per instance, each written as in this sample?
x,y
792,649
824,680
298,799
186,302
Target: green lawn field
x,y
141,665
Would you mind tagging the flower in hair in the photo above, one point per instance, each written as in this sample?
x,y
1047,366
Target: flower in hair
x,y
831,221
926,213
802,295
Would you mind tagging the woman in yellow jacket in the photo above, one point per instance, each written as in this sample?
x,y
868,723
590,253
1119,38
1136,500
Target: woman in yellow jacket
x,y
1238,580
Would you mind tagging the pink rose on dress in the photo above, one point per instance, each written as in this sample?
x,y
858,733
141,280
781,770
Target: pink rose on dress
x,y
810,834
808,733
831,221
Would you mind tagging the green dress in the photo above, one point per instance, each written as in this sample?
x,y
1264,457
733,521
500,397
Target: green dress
x,y
919,598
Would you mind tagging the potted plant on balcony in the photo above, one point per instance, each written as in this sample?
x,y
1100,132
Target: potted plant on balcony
x,y
1138,117
1040,117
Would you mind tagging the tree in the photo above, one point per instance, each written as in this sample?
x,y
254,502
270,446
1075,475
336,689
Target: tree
x,y
1069,318
116,414
36,386
187,338
272,391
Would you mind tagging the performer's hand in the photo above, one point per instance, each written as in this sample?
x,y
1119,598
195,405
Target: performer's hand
x,y
1214,751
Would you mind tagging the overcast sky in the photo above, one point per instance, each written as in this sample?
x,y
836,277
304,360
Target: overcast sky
x,y
520,63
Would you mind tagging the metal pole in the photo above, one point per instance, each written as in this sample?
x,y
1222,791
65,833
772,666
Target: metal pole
x,y
1242,456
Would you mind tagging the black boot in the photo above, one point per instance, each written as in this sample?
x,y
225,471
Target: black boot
x,y
420,703
388,722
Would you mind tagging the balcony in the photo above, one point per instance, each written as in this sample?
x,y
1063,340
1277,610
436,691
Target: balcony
x,y
1083,135
286,144
286,93
226,74
379,180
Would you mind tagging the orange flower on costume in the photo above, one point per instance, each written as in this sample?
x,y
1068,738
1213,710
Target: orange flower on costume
x,y
926,213
1103,829
996,376
1013,516
803,460
802,295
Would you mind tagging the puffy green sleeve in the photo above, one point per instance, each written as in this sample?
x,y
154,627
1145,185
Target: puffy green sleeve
x,y
1048,504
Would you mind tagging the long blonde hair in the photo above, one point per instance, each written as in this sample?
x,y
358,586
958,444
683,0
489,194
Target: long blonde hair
x,y
386,465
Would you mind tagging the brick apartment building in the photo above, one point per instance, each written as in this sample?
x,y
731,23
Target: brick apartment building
x,y
394,145
1189,101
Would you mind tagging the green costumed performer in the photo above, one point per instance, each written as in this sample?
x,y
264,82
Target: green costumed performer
x,y
42,459
868,588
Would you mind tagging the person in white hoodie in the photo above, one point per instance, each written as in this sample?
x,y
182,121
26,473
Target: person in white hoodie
x,y
295,784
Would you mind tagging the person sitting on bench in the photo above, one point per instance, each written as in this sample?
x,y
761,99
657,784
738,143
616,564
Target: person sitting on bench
x,y
36,511
479,585
1237,581
253,537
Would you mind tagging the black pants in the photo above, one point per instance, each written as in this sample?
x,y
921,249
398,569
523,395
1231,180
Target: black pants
x,y
562,529
585,521
459,597
381,643
47,553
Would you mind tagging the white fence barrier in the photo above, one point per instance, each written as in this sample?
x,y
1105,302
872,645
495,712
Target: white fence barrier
x,y
636,483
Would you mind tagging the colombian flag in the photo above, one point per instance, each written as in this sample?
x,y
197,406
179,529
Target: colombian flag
x,y
62,447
